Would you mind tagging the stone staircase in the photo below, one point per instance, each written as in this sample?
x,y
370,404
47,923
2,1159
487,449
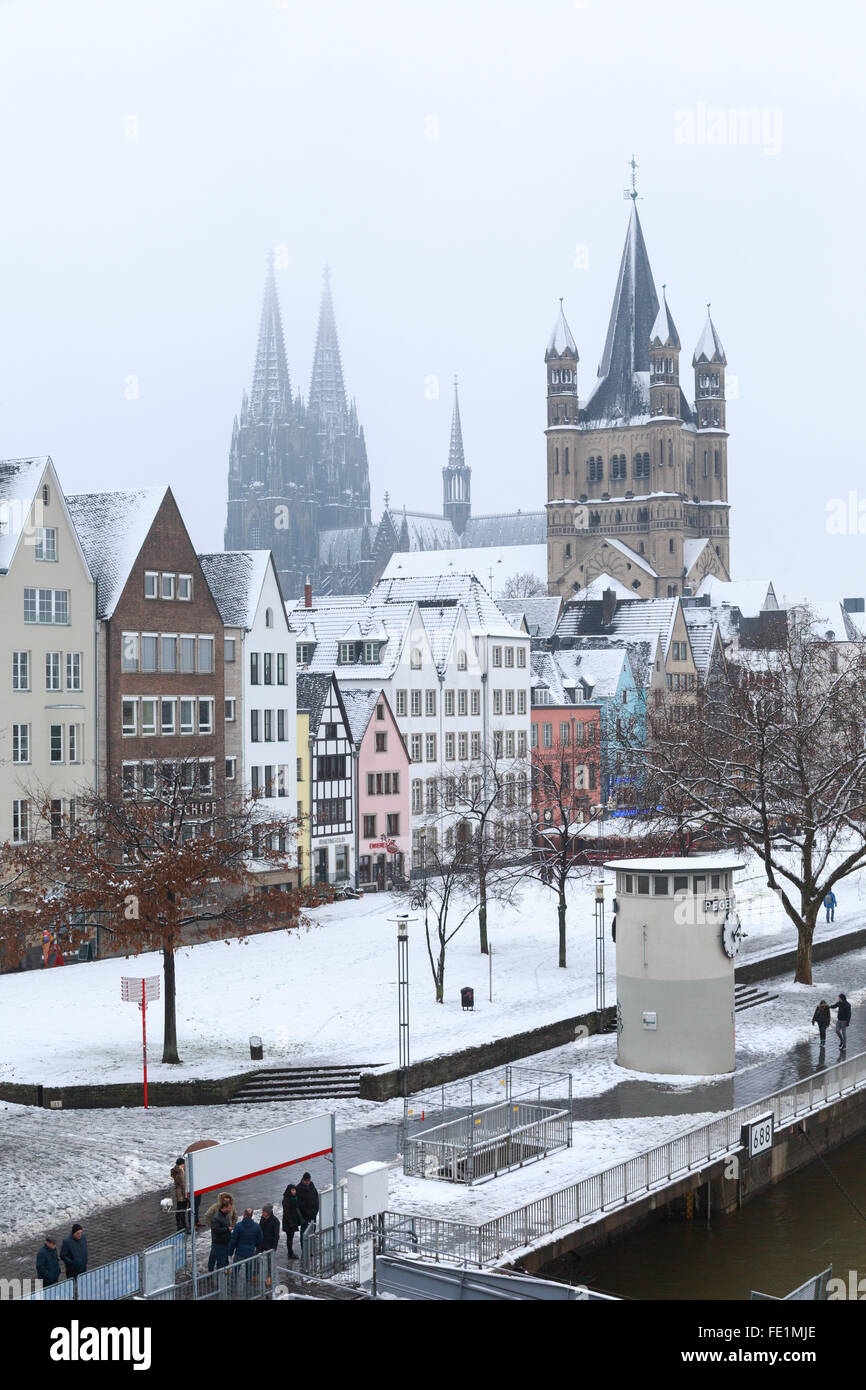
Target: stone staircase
x,y
301,1083
748,996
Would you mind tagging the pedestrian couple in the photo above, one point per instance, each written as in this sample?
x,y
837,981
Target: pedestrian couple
x,y
822,1018
300,1211
73,1253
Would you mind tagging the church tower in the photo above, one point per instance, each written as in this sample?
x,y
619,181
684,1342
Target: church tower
x,y
456,476
339,453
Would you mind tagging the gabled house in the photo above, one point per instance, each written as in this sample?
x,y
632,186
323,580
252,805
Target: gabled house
x,y
382,837
331,779
47,597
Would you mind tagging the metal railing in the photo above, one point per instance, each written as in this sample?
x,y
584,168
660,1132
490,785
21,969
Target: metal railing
x,y
332,1253
479,1146
592,1197
243,1281
122,1278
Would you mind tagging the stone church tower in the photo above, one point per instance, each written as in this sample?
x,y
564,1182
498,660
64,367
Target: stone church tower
x,y
456,476
296,469
637,478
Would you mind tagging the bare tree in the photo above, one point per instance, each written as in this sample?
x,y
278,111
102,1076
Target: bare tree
x,y
491,797
159,870
524,585
775,757
450,895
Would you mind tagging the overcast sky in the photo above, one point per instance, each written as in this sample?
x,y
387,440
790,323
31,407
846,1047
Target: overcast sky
x,y
460,165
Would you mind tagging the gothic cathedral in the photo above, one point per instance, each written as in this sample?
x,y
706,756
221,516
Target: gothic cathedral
x,y
637,477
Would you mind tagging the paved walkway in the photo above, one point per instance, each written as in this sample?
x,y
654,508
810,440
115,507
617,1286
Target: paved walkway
x,y
131,1226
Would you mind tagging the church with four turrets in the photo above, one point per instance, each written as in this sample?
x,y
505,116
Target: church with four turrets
x,y
637,476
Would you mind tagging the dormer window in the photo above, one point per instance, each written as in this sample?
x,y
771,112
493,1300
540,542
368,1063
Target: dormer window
x,y
371,653
347,653
305,653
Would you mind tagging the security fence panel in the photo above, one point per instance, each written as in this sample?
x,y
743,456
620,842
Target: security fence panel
x,y
120,1279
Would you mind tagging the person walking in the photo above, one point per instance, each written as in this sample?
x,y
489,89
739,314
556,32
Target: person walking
x,y
830,906
246,1241
308,1202
220,1232
48,1263
73,1251
270,1229
843,1018
822,1017
291,1218
181,1194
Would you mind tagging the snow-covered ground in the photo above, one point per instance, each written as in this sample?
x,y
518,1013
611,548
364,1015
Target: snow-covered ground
x,y
328,994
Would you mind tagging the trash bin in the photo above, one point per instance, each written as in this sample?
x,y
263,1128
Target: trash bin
x,y
467,997
256,1049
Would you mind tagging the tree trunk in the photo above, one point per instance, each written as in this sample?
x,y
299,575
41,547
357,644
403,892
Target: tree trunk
x,y
169,1035
561,911
803,973
439,978
482,915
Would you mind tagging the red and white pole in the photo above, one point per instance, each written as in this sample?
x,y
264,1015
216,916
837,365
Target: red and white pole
x,y
144,1038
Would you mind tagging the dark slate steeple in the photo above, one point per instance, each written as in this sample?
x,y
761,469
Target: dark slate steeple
x,y
619,393
272,388
456,476
327,389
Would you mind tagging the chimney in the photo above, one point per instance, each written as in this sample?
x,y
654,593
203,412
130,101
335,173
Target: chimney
x,y
608,607
308,593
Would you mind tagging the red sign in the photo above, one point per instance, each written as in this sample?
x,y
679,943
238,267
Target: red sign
x,y
388,845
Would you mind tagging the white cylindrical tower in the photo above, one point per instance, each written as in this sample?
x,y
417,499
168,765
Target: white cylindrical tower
x,y
677,936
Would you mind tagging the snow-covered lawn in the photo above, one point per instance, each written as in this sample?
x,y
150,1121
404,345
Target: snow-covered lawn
x,y
328,994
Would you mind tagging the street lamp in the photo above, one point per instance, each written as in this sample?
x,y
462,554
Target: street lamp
x,y
599,953
403,920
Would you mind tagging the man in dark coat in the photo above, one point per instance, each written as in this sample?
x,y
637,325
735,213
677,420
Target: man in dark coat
x,y
73,1251
246,1237
291,1218
220,1234
48,1263
843,1018
821,1016
308,1201
269,1225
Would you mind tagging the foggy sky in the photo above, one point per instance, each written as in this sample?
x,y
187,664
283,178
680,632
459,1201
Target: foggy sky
x,y
460,165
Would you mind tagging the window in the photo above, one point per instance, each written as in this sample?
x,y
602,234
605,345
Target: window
x,y
268,668
509,702
431,748
167,715
369,827
255,735
230,644
73,670
282,736
497,702
168,586
281,669
509,656
184,586
415,659
128,780
431,797
148,778
509,743
254,668
148,652
643,883
20,821
416,704
660,885
52,670
151,582
129,716
381,742
149,710
20,743
449,703
168,652
476,702
547,735
400,703
564,732
74,743
534,736
681,883
461,703
20,670
187,716
497,656
231,765
230,710
46,606
129,652
55,740
430,702
205,655
463,747
476,745
187,655
269,617
521,657
417,795
461,660
269,725
521,702
205,777
45,543
449,748
416,748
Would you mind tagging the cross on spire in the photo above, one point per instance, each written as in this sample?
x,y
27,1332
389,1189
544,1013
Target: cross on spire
x,y
632,192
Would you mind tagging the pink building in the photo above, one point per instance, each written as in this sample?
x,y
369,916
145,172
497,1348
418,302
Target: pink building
x,y
381,787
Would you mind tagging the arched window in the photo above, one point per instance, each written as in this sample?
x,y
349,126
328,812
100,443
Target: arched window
x,y
706,463
618,517
269,617
716,465
556,461
671,545
670,454
567,466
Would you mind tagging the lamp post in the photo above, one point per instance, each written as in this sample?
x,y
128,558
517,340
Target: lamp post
x,y
599,953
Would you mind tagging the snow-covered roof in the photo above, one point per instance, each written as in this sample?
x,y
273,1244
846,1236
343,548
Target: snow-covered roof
x,y
540,613
331,622
482,612
506,529
709,348
359,703
677,865
635,620
19,479
346,546
312,693
692,548
506,562
751,596
632,555
702,626
562,672
596,588
112,527
664,331
235,578
561,340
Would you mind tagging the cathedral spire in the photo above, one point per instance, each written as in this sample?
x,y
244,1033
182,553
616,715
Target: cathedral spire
x,y
617,395
456,476
455,451
327,390
272,388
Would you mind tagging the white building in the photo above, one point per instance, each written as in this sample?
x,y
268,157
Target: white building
x,y
456,673
48,605
260,680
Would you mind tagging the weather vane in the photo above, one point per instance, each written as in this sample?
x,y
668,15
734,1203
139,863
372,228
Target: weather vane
x,y
632,192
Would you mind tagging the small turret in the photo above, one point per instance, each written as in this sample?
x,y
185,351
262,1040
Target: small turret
x,y
664,353
709,362
562,358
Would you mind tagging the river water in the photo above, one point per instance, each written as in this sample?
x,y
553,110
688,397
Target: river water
x,y
773,1244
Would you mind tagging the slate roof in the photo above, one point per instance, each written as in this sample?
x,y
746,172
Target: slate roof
x,y
483,613
506,528
751,596
641,654
359,703
541,613
112,527
596,588
664,330
235,578
505,562
702,627
19,479
313,691
634,620
331,623
346,546
563,671
621,391
709,348
561,341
